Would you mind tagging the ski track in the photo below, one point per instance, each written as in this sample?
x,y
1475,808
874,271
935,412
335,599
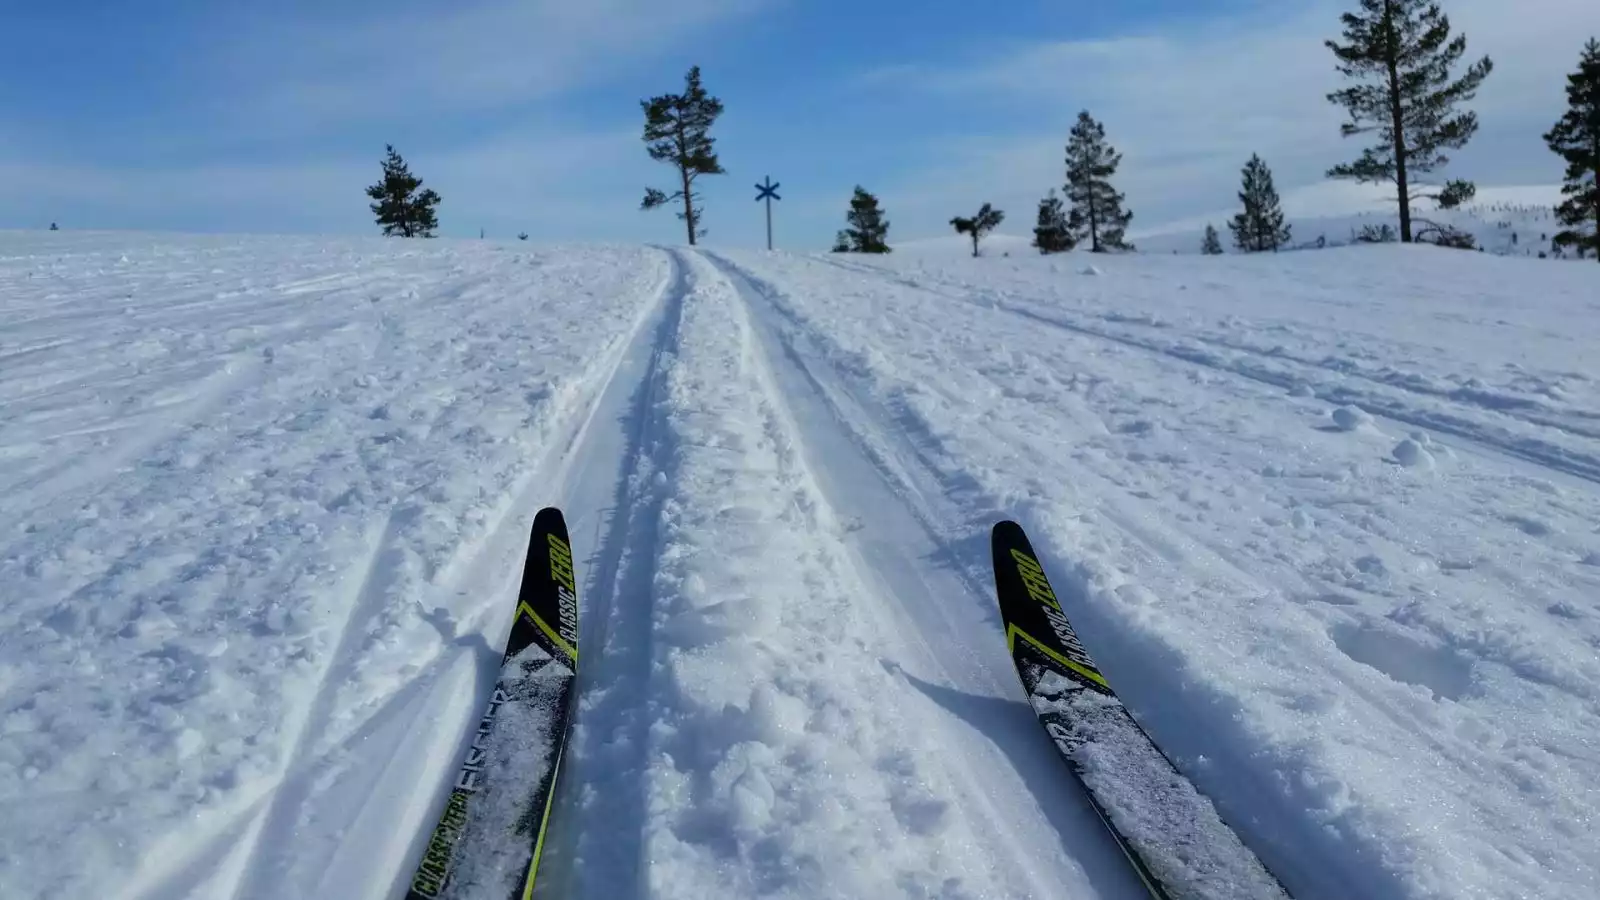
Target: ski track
x,y
596,845
1488,438
412,640
793,682
894,500
1285,794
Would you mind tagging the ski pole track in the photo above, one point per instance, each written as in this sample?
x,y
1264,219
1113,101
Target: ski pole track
x,y
931,594
1501,443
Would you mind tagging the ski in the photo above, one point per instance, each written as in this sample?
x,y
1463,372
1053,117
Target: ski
x,y
488,840
1171,835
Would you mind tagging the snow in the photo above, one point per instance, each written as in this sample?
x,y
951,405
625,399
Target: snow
x,y
1413,453
1326,521
1506,220
1351,418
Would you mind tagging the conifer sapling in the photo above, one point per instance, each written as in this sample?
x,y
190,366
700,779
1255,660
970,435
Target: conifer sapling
x,y
987,219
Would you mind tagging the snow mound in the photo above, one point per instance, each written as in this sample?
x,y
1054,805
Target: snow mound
x,y
1411,454
1352,418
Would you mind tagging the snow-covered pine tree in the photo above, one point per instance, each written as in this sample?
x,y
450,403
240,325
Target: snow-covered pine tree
x,y
869,230
987,220
1576,138
677,130
1402,53
1097,214
1260,226
1212,244
400,207
1051,234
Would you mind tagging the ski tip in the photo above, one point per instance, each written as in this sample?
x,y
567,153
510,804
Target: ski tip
x,y
1005,529
549,514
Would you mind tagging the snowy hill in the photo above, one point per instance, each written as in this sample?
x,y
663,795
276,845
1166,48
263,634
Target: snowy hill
x,y
1327,521
1507,221
996,244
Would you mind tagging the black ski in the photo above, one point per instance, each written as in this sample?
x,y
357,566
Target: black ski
x,y
490,836
1171,835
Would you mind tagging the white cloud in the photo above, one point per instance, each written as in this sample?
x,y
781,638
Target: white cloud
x,y
1187,107
455,57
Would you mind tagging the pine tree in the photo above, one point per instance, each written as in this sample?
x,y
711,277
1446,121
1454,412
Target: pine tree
x,y
677,131
400,208
1097,214
987,219
1260,226
868,231
1402,51
1212,245
1576,138
1052,235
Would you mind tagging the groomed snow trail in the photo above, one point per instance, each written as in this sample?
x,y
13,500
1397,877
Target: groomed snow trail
x,y
743,729
267,499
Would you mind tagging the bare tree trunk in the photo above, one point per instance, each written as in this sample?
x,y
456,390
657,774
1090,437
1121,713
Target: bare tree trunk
x,y
688,205
1397,118
1596,157
1094,223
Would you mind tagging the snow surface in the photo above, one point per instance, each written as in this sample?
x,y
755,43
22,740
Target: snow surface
x,y
265,503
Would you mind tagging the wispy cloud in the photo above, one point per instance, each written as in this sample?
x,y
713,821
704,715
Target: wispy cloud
x,y
452,58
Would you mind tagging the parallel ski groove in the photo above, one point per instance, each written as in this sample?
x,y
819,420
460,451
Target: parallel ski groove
x,y
1536,450
602,790
1071,822
284,796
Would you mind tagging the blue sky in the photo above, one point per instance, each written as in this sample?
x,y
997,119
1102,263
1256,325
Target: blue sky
x,y
524,114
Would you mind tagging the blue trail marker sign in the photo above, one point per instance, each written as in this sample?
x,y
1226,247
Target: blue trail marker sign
x,y
768,191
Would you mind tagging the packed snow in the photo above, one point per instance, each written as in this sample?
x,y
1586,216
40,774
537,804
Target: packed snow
x,y
1327,521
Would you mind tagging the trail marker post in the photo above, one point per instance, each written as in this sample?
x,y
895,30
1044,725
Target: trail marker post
x,y
768,191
